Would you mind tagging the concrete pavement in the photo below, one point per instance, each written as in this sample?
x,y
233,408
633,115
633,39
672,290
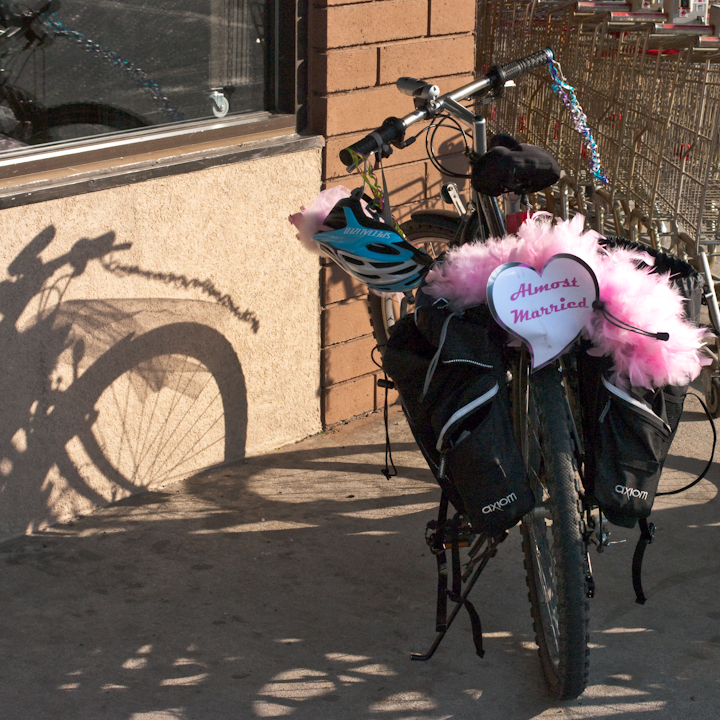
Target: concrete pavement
x,y
297,583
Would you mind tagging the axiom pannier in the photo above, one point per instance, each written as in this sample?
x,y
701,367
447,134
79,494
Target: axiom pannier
x,y
449,371
628,432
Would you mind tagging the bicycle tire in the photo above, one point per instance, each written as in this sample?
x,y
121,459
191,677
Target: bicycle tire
x,y
73,121
712,397
433,236
552,534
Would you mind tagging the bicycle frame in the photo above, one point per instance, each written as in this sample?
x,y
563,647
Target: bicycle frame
x,y
478,126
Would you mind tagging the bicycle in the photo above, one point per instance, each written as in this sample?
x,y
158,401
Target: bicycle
x,y
545,403
555,554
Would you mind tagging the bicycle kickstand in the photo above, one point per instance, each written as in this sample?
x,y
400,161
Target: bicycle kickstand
x,y
480,561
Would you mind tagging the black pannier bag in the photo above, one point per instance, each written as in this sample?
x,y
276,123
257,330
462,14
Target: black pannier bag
x,y
449,371
627,438
628,433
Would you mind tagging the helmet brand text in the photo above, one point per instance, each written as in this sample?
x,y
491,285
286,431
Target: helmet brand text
x,y
364,231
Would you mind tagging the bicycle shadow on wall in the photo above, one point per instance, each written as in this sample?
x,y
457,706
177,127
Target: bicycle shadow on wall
x,y
104,398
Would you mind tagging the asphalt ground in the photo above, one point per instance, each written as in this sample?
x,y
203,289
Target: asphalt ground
x,y
296,584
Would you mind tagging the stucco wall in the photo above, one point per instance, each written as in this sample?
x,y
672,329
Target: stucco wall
x,y
150,330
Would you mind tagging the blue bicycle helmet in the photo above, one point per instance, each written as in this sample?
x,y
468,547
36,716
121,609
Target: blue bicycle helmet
x,y
370,250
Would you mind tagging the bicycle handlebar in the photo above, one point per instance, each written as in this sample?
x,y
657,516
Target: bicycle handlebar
x,y
393,129
500,74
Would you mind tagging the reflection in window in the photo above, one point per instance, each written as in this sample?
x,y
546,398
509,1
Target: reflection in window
x,y
238,51
77,68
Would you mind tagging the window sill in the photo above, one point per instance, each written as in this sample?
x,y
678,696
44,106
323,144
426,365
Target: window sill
x,y
39,174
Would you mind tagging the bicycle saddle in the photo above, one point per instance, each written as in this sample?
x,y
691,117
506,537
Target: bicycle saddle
x,y
512,166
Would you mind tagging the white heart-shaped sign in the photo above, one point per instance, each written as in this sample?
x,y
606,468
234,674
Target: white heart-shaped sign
x,y
546,310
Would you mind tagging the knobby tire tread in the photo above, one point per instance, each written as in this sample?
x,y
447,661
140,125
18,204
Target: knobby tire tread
x,y
569,678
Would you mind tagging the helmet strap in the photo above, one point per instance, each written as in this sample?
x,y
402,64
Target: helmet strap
x,y
386,212
381,195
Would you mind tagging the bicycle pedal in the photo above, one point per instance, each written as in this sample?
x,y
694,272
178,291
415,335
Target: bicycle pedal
x,y
450,194
461,544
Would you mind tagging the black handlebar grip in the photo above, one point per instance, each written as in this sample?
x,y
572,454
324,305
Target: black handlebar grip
x,y
365,147
500,74
392,129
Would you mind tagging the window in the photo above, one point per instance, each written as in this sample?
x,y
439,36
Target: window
x,y
78,69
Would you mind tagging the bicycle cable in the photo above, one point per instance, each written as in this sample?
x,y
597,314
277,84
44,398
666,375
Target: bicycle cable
x,y
430,147
712,453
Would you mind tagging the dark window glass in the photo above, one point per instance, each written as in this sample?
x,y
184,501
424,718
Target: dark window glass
x,y
76,68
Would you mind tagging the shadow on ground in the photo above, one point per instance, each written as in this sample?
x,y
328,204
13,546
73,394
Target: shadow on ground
x,y
296,584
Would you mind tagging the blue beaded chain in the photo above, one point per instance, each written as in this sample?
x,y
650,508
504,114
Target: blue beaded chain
x,y
138,75
567,95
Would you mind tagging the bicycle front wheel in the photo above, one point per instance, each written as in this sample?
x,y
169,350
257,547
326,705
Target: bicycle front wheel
x,y
552,537
434,237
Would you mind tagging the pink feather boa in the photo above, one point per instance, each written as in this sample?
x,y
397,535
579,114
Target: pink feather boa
x,y
640,297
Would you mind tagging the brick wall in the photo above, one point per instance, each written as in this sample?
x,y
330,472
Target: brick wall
x,y
357,51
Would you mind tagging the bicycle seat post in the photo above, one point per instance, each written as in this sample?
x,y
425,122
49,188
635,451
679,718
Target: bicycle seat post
x,y
491,209
480,136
